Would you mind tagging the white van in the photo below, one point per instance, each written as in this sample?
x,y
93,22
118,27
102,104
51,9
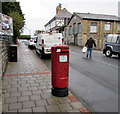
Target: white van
x,y
45,41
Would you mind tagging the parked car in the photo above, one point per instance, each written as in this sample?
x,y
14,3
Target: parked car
x,y
31,42
45,41
112,45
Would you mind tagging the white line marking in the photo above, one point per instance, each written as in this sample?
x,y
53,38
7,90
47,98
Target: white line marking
x,y
106,63
99,61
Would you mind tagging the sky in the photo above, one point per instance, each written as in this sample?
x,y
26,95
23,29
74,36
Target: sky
x,y
39,12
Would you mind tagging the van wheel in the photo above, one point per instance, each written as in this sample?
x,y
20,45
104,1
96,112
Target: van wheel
x,y
41,55
36,52
108,52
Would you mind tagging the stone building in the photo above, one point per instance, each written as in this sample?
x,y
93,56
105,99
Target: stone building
x,y
58,22
84,25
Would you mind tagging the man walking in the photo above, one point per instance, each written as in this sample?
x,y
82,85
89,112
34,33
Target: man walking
x,y
89,45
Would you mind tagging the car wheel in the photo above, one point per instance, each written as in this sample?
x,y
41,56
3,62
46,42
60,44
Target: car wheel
x,y
108,52
119,55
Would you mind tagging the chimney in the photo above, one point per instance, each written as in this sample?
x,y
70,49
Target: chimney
x,y
58,8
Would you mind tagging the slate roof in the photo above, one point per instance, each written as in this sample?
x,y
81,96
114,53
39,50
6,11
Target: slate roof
x,y
97,16
61,15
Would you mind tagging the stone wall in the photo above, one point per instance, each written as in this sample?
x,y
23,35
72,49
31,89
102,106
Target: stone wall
x,y
5,42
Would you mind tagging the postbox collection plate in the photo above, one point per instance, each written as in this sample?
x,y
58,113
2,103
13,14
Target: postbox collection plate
x,y
63,58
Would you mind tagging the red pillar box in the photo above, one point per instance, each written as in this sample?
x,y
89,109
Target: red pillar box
x,y
60,70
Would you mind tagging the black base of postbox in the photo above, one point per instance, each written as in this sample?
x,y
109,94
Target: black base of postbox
x,y
59,92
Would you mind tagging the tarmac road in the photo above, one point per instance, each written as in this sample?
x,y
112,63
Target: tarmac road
x,y
93,81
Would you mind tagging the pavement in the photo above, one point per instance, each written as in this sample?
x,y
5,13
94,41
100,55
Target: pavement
x,y
26,87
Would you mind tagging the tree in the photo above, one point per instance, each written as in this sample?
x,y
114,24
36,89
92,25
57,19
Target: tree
x,y
18,23
13,9
38,32
8,7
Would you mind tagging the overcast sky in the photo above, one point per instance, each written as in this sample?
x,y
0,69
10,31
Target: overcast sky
x,y
39,12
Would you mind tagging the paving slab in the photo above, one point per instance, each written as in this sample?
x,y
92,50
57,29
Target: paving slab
x,y
26,87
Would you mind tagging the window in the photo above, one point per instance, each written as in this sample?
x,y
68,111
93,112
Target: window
x,y
107,26
65,32
59,22
70,30
79,28
93,27
118,26
74,28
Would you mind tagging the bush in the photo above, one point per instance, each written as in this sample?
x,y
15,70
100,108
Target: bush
x,y
24,37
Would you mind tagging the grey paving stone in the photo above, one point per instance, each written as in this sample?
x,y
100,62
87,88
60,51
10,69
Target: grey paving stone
x,y
47,96
22,82
28,104
34,92
43,84
26,93
12,89
39,109
24,78
15,85
74,111
35,97
30,81
25,110
16,79
41,103
46,90
64,100
39,80
6,86
47,80
53,101
52,108
32,88
6,95
23,98
42,87
12,82
34,84
49,86
16,94
65,107
5,107
22,89
15,106
13,111
77,105
11,100
5,82
25,85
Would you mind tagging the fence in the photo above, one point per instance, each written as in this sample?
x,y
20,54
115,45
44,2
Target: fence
x,y
5,41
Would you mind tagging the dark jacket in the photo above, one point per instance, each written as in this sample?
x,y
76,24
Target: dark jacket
x,y
90,43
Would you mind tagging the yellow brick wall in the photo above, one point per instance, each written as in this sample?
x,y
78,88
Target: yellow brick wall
x,y
99,36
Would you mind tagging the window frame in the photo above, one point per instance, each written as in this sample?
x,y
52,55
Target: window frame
x,y
70,30
107,26
93,28
79,28
118,26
